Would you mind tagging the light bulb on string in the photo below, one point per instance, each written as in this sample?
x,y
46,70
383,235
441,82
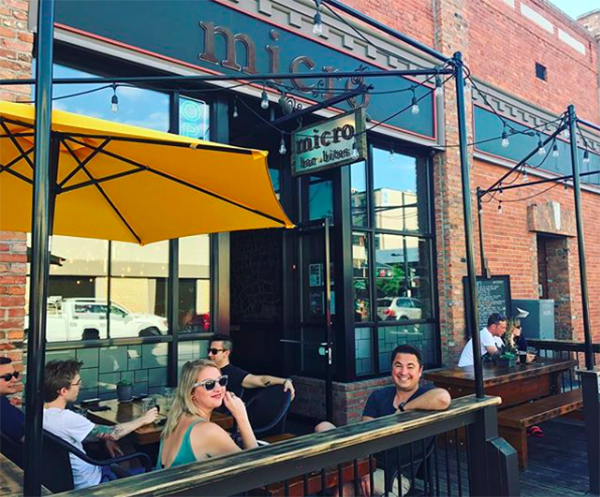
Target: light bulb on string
x,y
354,154
114,101
282,149
439,91
586,157
566,185
318,26
525,176
392,155
500,189
235,111
541,149
505,143
500,207
264,100
414,107
555,152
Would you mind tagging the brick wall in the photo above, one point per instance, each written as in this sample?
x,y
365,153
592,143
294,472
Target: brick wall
x,y
16,44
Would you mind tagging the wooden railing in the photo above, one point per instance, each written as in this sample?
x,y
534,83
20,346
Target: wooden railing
x,y
565,349
337,456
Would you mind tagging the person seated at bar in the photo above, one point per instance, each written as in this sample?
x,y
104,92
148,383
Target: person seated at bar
x,y
406,394
515,339
62,383
490,338
219,351
12,419
189,435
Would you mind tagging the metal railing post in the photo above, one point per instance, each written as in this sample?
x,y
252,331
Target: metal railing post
x,y
471,316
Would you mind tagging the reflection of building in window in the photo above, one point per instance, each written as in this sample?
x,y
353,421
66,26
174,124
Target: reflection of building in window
x,y
396,210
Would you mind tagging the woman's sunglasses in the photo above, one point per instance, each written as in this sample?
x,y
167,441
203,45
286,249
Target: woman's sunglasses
x,y
10,376
210,384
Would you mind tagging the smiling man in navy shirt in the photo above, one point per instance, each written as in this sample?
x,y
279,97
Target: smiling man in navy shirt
x,y
12,419
406,394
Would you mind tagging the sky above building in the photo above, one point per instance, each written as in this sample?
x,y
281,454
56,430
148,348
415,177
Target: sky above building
x,y
575,8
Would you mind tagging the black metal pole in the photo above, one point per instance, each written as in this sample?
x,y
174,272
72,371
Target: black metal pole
x,y
588,124
587,334
40,231
484,269
329,329
472,310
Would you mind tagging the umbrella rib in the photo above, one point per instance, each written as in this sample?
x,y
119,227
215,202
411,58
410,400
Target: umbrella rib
x,y
81,163
189,185
99,180
16,144
94,181
15,173
196,146
17,135
16,159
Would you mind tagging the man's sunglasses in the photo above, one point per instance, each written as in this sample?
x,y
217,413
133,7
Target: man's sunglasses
x,y
215,351
210,384
10,376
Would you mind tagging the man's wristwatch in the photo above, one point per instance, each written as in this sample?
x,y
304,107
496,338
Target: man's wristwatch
x,y
401,406
287,379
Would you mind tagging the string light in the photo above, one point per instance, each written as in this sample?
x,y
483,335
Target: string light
x,y
586,157
525,175
566,185
414,108
392,155
235,111
114,101
354,154
439,91
505,142
541,148
555,152
264,100
500,207
318,25
282,149
500,189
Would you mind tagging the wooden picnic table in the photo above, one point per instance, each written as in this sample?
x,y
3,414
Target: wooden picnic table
x,y
123,412
11,478
515,385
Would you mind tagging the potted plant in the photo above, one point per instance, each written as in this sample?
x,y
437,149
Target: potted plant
x,y
506,359
125,391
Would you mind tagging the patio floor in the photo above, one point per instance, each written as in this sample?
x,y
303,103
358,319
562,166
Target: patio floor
x,y
557,462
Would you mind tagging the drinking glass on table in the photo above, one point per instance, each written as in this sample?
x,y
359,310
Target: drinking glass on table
x,y
148,403
169,395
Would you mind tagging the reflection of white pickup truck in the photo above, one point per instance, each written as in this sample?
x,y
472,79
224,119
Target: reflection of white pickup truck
x,y
85,318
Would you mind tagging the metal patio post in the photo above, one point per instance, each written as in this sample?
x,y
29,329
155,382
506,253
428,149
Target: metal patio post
x,y
590,379
328,328
40,231
472,310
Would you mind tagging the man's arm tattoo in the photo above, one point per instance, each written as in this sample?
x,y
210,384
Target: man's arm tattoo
x,y
101,432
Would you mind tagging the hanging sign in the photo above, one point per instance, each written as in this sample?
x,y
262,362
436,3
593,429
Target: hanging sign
x,y
335,142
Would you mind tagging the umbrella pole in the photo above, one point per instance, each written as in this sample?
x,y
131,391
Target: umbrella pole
x,y
40,230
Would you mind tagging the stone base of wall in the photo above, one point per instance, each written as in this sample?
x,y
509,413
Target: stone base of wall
x,y
348,398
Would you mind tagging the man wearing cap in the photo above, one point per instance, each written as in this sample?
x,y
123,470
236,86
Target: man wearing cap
x,y
491,343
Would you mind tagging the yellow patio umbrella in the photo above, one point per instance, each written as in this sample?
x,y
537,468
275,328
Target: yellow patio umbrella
x,y
118,182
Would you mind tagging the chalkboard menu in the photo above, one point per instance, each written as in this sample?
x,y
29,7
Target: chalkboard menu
x,y
493,295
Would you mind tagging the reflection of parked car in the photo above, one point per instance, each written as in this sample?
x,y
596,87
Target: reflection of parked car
x,y
85,318
399,309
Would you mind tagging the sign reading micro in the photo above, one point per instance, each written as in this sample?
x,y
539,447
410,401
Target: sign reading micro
x,y
335,142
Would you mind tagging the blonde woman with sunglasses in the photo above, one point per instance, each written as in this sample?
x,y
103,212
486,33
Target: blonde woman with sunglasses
x,y
189,435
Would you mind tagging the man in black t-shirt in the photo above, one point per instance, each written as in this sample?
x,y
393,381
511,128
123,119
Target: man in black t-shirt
x,y
219,350
12,419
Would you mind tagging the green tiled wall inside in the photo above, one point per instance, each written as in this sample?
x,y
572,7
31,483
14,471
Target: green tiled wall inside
x,y
144,365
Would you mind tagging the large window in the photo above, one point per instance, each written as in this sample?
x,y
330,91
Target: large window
x,y
391,258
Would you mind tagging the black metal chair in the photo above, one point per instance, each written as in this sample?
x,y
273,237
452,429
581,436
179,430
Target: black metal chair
x,y
414,463
267,411
13,449
57,474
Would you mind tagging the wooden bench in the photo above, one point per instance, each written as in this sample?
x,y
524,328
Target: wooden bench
x,y
513,422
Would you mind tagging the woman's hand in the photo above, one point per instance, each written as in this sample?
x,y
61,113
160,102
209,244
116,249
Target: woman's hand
x,y
530,357
236,406
150,416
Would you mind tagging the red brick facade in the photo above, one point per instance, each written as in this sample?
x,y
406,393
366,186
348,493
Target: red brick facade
x,y
16,44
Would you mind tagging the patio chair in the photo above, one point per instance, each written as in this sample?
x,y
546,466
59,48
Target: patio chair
x,y
57,474
13,449
267,412
420,463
